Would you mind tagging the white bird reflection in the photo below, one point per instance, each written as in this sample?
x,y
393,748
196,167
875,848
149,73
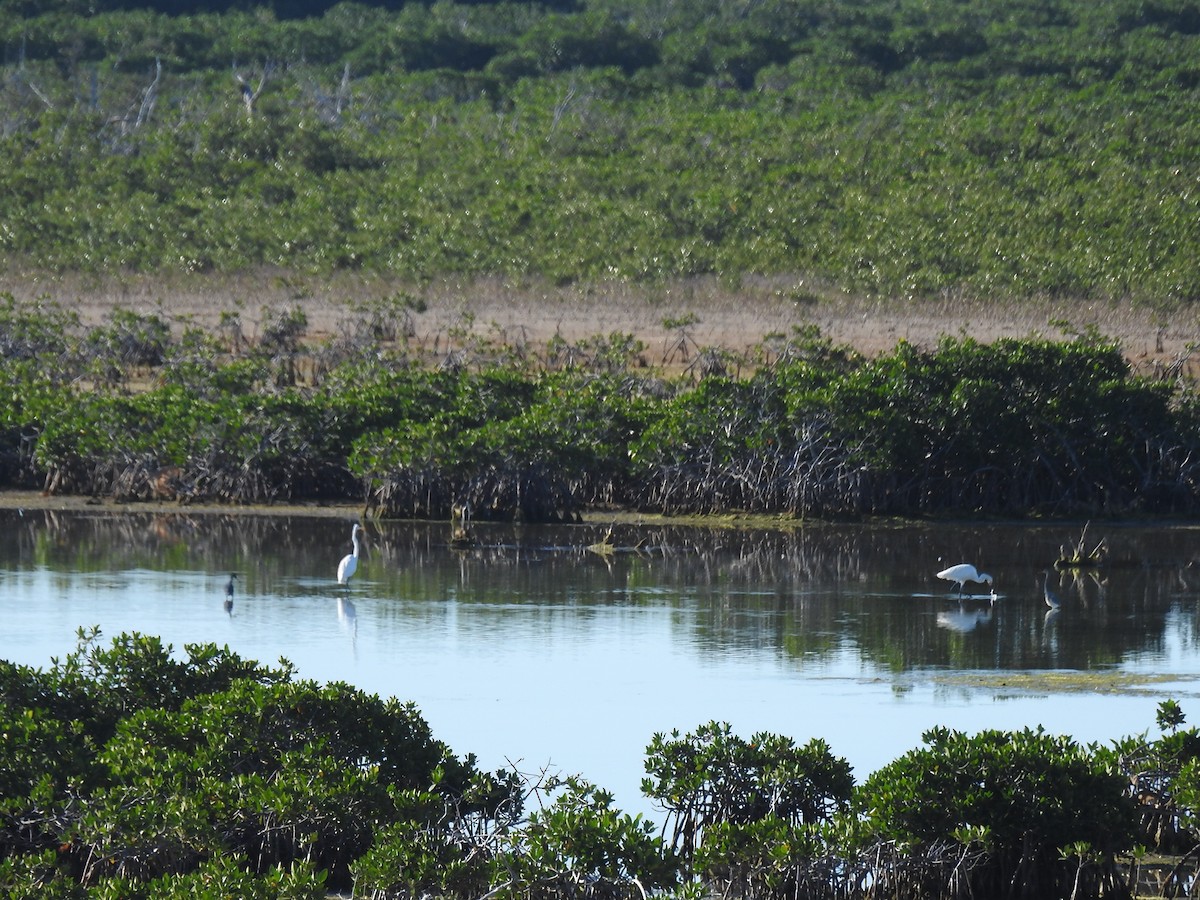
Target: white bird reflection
x,y
348,618
966,618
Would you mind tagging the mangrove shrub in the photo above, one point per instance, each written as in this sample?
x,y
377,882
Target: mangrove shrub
x,y
1045,812
128,772
1017,427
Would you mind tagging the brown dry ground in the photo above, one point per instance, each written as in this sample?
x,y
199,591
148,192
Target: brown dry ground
x,y
734,318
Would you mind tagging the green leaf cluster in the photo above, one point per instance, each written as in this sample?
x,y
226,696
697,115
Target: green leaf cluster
x,y
126,768
1029,798
580,837
712,779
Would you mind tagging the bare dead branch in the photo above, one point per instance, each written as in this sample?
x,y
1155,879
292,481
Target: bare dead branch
x,y
149,96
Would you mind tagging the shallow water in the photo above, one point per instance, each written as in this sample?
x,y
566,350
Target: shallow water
x,y
528,649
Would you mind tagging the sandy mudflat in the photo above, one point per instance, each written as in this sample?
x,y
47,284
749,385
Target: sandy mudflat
x,y
80,504
529,314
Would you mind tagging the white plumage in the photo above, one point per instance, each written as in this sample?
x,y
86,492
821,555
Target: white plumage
x,y
349,564
962,573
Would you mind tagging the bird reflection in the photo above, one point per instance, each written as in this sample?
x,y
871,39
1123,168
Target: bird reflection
x,y
1182,574
965,618
347,617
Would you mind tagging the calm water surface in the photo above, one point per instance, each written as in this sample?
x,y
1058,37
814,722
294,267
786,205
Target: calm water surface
x,y
529,649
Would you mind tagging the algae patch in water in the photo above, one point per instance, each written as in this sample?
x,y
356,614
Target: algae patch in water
x,y
1099,682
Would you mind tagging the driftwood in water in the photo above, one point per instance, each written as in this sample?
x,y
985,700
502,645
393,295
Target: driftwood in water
x,y
1078,557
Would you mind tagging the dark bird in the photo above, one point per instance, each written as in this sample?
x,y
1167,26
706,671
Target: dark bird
x,y
229,592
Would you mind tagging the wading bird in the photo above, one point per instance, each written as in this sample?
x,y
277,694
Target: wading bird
x,y
1052,600
962,573
349,563
229,592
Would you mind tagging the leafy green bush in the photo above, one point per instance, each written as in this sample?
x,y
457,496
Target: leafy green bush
x,y
514,446
134,769
1045,811
580,843
430,850
125,772
711,778
1017,427
1163,781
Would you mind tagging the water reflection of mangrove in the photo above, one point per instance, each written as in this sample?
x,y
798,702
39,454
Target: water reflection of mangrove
x,y
812,592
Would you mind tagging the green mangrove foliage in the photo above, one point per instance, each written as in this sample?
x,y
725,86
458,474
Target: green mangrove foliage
x,y
133,412
1049,817
894,147
741,814
713,777
1163,776
123,766
126,771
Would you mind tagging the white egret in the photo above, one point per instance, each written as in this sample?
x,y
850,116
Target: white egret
x,y
1052,600
962,573
349,563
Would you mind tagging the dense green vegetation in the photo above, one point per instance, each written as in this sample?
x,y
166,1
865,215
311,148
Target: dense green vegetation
x,y
127,771
130,411
992,150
